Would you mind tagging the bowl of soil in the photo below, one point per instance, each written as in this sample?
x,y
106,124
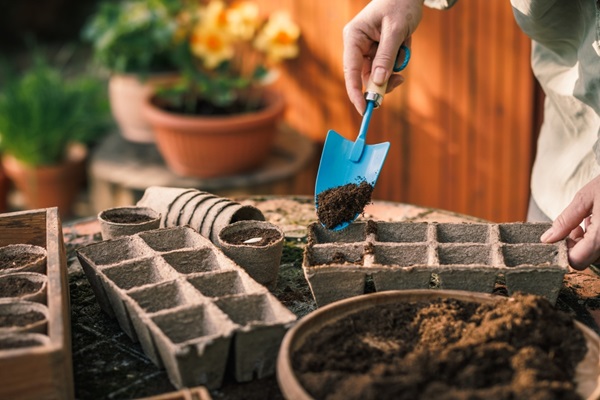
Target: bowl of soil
x,y
22,316
22,257
128,220
439,344
29,286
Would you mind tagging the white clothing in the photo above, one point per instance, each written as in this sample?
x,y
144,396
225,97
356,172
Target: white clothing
x,y
566,61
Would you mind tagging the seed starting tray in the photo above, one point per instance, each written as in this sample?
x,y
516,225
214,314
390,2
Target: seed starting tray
x,y
423,255
37,364
188,304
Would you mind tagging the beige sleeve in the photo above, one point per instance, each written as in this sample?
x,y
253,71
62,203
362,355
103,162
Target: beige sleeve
x,y
440,4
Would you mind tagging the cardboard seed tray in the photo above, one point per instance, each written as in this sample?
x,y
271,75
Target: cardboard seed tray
x,y
420,255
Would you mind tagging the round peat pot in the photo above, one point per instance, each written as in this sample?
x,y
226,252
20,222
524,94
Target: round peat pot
x,y
29,286
125,221
23,316
256,246
397,339
22,258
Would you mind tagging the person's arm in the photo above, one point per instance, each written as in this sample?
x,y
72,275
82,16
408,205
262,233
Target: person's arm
x,y
584,244
371,43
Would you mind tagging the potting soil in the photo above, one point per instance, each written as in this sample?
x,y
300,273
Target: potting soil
x,y
341,204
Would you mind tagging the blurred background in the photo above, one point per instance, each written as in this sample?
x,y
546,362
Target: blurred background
x,y
462,128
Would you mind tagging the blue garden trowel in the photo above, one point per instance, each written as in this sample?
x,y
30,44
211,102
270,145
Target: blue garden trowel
x,y
343,161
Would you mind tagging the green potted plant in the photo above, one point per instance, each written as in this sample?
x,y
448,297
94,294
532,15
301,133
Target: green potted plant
x,y
133,40
221,117
46,123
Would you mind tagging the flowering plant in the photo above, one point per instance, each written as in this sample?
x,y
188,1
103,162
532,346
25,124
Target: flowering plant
x,y
226,54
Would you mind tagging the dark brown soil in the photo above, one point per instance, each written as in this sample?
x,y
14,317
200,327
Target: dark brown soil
x,y
445,349
127,218
18,260
18,344
341,204
15,286
21,319
265,236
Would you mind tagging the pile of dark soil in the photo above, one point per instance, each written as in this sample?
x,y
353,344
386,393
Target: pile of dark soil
x,y
445,349
15,286
126,218
341,204
18,260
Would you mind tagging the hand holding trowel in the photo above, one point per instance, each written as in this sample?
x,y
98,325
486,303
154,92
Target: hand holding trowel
x,y
349,170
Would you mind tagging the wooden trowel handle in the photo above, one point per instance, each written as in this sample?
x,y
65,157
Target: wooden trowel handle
x,y
375,92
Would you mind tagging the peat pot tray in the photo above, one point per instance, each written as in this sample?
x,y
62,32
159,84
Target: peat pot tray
x,y
382,256
194,311
35,359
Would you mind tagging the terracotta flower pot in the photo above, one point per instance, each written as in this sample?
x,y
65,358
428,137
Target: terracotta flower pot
x,y
211,146
4,190
127,93
51,185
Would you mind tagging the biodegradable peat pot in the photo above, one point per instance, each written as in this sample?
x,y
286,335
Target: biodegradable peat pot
x,y
22,258
381,324
50,185
22,316
29,286
127,93
256,246
212,146
125,221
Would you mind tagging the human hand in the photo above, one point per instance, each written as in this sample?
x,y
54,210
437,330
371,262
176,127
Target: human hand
x,y
583,242
371,43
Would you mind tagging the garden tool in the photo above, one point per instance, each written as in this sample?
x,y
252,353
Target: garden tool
x,y
344,161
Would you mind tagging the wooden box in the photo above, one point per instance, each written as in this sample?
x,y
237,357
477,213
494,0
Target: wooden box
x,y
44,370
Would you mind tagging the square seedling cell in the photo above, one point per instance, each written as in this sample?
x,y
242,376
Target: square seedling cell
x,y
172,238
348,254
535,254
115,251
522,232
402,232
356,232
192,261
226,283
402,255
138,273
251,310
164,296
191,323
460,254
463,233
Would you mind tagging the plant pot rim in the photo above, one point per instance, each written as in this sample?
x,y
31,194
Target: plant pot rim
x,y
76,152
104,215
275,107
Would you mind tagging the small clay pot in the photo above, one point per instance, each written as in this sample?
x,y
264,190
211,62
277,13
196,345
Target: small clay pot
x,y
22,258
29,286
128,220
256,246
23,316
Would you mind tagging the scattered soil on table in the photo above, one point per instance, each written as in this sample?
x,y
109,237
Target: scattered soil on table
x,y
21,319
127,218
445,349
254,236
8,261
16,286
341,204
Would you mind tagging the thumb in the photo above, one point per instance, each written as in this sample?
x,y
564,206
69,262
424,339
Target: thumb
x,y
576,212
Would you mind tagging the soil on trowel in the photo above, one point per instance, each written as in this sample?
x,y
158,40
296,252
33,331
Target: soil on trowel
x,y
18,260
15,286
127,218
445,349
253,237
341,204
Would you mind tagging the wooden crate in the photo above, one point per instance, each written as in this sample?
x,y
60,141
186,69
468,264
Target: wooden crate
x,y
46,371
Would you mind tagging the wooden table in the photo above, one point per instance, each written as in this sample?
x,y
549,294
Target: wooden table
x,y
120,171
108,365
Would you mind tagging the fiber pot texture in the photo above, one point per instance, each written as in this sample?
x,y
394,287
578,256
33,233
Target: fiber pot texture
x,y
256,246
212,146
125,221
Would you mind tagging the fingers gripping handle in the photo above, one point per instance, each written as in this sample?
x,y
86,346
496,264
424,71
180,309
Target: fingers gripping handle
x,y
375,92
